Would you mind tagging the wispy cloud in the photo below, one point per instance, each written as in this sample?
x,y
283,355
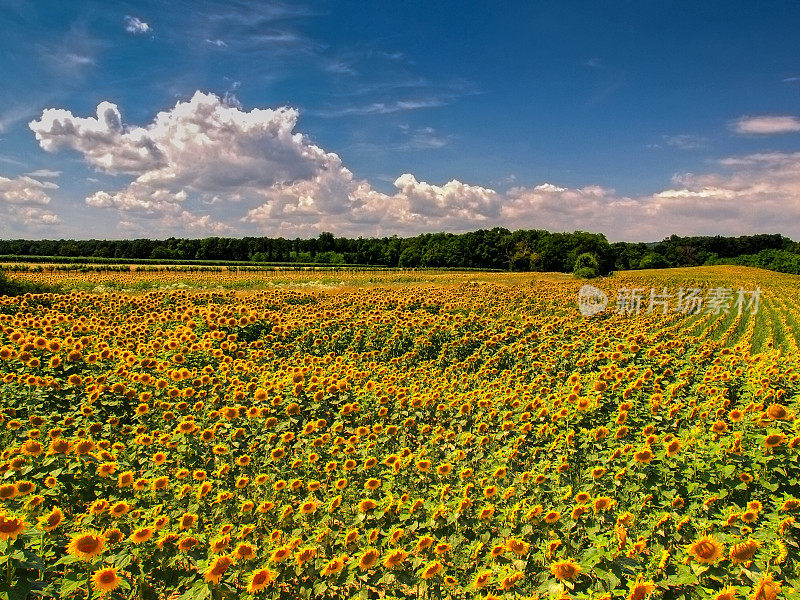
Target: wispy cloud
x,y
423,138
684,141
135,25
13,115
381,108
74,53
44,173
766,125
340,67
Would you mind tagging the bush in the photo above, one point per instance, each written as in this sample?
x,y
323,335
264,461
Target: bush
x,y
586,266
653,260
11,287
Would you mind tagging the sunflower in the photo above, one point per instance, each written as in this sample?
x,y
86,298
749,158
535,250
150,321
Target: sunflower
x,y
482,579
260,579
187,521
742,553
307,508
105,580
727,593
372,484
395,558
51,520
11,526
552,516
25,487
791,504
773,440
187,543
749,516
431,570
366,505
565,569
219,544
216,569
141,535
119,509
486,513
645,455
767,588
673,447
707,549
602,503
578,511
8,491
509,581
279,554
640,589
334,566
86,545
304,555
444,469
442,549
368,559
125,479
518,547
244,551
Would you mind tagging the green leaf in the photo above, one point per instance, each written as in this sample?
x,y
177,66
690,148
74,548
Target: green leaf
x,y
71,584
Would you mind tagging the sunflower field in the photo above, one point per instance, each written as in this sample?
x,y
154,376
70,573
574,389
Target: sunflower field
x,y
392,436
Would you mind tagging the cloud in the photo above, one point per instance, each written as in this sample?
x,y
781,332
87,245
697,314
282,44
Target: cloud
x,y
21,199
25,190
685,141
340,67
44,173
203,148
135,25
102,140
423,138
71,55
382,108
29,215
207,166
766,125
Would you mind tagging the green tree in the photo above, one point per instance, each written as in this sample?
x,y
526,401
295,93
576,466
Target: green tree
x,y
586,266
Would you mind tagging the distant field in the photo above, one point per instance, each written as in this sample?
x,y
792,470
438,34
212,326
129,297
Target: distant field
x,y
229,434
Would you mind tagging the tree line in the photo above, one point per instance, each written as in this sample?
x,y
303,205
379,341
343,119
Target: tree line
x,y
497,248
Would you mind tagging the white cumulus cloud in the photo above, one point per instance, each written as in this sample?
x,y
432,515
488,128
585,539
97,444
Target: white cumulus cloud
x,y
209,166
135,25
767,125
25,190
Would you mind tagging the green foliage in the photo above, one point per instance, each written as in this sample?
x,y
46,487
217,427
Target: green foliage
x,y
653,260
12,287
586,266
496,248
774,260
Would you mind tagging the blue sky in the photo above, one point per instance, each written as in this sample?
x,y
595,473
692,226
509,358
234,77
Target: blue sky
x,y
636,119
